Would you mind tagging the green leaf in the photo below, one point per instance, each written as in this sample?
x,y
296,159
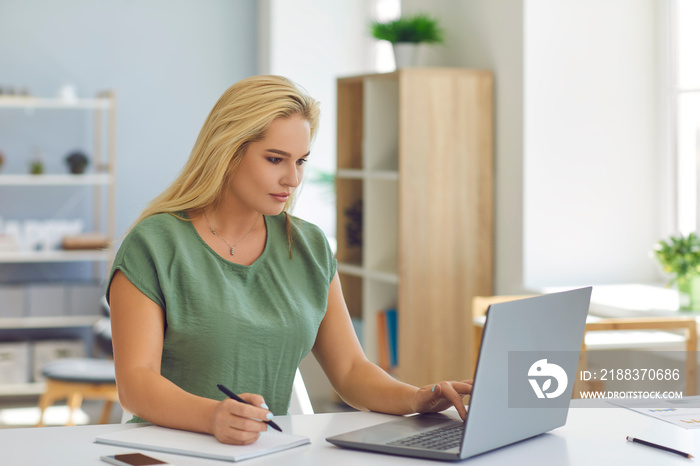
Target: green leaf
x,y
416,28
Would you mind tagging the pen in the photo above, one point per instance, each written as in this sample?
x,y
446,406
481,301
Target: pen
x,y
660,447
230,394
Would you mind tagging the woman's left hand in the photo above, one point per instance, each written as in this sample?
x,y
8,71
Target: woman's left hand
x,y
437,397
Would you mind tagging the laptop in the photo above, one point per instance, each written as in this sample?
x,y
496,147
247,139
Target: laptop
x,y
522,385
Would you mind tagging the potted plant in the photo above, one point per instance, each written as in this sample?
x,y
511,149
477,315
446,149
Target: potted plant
x,y
77,161
36,164
680,256
406,33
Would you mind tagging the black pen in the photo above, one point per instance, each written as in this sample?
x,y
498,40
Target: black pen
x,y
660,447
230,394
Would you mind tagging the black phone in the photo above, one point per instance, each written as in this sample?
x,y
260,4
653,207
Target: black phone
x,y
132,459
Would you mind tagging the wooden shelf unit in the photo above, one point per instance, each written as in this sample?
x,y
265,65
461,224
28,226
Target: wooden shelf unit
x,y
415,150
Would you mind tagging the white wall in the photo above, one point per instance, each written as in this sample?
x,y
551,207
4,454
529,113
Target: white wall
x,y
313,42
167,60
577,145
591,141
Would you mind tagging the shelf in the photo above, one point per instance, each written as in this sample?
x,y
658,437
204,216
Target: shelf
x,y
48,322
47,292
414,210
94,179
22,389
351,174
48,103
378,275
19,257
351,269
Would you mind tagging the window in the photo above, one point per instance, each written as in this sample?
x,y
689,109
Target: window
x,y
684,103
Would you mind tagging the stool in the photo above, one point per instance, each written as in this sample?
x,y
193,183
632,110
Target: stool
x,y
78,378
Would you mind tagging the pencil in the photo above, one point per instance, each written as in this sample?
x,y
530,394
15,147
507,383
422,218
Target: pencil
x,y
230,394
660,447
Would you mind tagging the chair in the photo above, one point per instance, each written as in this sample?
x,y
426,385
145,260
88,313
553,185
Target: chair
x,y
641,339
75,379
687,325
301,403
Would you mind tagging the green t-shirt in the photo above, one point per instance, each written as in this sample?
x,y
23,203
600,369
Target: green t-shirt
x,y
246,327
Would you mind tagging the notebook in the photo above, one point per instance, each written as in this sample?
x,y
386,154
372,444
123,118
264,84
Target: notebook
x,y
522,385
182,442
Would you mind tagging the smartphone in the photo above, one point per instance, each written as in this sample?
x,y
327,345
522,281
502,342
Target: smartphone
x,y
132,459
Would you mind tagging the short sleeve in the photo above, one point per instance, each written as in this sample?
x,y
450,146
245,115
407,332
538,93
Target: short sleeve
x,y
137,258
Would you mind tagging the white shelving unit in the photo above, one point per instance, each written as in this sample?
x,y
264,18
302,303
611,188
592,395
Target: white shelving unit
x,y
98,183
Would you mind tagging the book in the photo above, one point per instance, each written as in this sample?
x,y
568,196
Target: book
x,y
382,341
392,337
387,339
183,442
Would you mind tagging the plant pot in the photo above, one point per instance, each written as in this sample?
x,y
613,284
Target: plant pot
x,y
405,54
690,293
77,168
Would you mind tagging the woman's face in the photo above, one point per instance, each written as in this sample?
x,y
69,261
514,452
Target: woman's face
x,y
272,168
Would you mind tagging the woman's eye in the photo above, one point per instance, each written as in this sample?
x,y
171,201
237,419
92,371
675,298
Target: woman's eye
x,y
274,160
302,161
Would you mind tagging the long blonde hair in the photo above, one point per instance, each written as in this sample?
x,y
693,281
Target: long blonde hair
x,y
241,116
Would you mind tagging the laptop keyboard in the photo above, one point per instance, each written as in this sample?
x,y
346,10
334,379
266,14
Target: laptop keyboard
x,y
443,438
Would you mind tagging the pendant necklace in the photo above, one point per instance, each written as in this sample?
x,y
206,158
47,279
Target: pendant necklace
x,y
213,232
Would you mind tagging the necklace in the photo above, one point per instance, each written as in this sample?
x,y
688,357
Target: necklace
x,y
213,232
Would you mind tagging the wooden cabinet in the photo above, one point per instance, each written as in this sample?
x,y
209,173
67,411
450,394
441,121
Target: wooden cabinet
x,y
415,201
50,293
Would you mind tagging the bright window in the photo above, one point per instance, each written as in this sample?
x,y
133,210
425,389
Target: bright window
x,y
685,109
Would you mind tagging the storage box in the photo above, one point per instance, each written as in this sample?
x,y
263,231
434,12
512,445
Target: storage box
x,y
84,299
46,351
12,301
14,362
46,300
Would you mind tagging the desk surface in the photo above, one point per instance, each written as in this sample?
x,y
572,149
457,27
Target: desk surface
x,y
592,435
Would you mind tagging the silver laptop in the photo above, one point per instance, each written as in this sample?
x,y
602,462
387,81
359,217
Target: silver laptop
x,y
522,385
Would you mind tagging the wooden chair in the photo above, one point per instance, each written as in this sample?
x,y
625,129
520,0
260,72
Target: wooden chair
x,y
688,326
669,325
76,379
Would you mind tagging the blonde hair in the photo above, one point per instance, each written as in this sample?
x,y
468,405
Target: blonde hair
x,y
241,116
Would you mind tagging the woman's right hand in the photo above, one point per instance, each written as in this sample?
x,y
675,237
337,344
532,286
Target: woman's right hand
x,y
238,423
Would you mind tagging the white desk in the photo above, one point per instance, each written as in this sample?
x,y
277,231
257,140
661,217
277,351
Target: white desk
x,y
592,436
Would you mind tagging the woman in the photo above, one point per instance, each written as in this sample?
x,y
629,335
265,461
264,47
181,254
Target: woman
x,y
217,284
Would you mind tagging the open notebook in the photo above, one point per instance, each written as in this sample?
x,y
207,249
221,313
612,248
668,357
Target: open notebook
x,y
182,442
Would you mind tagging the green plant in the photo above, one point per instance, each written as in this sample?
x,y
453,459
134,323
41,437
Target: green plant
x,y
36,167
680,256
416,28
